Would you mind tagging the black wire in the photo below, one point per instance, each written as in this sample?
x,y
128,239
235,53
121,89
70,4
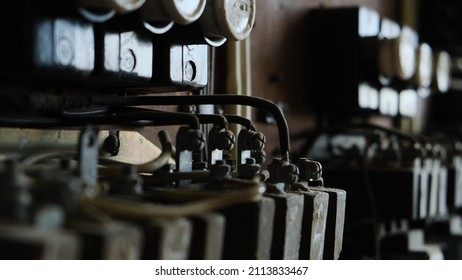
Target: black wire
x,y
213,119
34,122
154,118
126,116
168,118
191,118
245,122
85,112
206,100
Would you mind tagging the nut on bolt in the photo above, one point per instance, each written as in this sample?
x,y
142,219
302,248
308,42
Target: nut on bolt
x,y
193,140
257,141
309,169
220,170
251,140
250,169
222,139
225,140
282,171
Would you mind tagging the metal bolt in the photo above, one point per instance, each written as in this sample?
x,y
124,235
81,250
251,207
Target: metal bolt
x,y
220,170
249,170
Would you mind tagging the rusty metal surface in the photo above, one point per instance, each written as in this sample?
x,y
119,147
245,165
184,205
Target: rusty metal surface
x,y
24,242
208,236
109,240
249,230
335,222
287,226
168,239
313,225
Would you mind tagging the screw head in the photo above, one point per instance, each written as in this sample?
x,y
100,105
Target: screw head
x,y
190,71
112,145
64,51
128,60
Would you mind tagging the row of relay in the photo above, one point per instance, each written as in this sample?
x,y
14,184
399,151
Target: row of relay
x,y
225,219
401,188
48,44
91,205
378,65
218,19
419,178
